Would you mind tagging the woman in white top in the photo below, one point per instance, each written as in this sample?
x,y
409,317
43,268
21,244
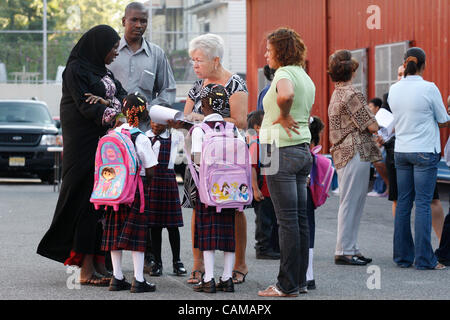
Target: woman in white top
x,y
418,110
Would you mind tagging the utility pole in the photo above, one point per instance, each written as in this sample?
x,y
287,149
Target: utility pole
x,y
44,42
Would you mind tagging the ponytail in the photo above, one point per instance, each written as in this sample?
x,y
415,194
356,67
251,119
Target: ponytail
x,y
414,61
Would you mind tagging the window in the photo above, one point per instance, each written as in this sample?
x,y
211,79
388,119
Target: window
x,y
360,79
388,57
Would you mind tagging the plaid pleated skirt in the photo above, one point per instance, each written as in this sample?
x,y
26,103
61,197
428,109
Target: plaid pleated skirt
x,y
127,228
164,208
214,230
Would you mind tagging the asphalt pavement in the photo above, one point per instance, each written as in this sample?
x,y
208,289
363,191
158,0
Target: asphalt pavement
x,y
26,211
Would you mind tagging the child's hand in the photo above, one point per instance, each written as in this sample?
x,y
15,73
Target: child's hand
x,y
96,99
257,194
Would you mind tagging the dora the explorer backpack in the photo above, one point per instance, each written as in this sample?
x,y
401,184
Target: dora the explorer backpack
x,y
224,178
117,170
321,176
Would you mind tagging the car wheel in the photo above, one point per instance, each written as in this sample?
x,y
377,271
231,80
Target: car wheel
x,y
48,178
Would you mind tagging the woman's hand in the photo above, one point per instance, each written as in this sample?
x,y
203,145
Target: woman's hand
x,y
288,123
257,194
96,99
194,117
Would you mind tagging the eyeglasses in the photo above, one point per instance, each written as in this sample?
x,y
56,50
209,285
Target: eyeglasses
x,y
194,62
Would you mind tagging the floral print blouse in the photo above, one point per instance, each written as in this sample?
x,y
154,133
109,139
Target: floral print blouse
x,y
349,117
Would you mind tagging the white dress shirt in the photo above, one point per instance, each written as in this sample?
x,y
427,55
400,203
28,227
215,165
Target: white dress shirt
x,y
144,149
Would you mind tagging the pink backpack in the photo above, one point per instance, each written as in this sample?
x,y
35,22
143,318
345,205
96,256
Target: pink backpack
x,y
117,170
224,179
321,176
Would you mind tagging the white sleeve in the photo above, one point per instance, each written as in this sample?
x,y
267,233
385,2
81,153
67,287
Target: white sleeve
x,y
145,152
197,140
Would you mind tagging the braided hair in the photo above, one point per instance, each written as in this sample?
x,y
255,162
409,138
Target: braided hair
x,y
214,97
135,108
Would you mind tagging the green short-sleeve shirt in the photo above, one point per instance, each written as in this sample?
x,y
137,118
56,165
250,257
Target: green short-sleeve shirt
x,y
304,93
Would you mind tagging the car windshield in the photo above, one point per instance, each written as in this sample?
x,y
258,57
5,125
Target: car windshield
x,y
23,112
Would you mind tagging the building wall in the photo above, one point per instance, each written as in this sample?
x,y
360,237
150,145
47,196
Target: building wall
x,y
425,23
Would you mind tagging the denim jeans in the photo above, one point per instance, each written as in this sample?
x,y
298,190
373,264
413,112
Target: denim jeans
x,y
287,188
416,180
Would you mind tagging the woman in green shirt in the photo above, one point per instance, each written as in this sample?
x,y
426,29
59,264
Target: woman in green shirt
x,y
285,132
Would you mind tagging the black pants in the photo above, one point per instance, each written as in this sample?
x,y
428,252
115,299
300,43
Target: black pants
x,y
266,232
311,219
174,239
443,252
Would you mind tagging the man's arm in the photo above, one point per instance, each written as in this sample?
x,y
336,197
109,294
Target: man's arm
x,y
165,85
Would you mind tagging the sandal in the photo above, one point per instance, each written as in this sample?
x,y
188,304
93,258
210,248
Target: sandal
x,y
96,280
193,279
236,280
273,291
439,266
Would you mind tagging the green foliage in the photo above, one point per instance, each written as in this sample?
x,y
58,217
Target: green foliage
x,y
70,19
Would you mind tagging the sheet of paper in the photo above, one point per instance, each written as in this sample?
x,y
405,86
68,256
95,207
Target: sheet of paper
x,y
160,114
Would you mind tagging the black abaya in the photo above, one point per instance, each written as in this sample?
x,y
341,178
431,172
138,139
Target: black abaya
x,y
75,226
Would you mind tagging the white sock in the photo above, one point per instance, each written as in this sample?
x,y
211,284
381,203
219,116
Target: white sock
x,y
138,264
310,273
228,258
208,259
116,259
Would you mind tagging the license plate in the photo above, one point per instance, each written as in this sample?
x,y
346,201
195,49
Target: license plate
x,y
17,161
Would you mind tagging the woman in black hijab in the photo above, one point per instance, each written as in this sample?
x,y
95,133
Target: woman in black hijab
x,y
91,99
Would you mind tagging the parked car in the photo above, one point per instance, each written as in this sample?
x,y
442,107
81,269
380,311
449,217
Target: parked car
x,y
27,130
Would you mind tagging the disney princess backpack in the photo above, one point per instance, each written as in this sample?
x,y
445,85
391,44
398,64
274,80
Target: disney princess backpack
x,y
224,177
117,170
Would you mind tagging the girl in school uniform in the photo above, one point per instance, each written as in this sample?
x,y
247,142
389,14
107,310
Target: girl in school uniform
x,y
164,207
213,231
127,229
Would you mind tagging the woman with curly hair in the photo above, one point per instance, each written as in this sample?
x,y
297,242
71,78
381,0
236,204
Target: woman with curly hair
x,y
351,126
285,134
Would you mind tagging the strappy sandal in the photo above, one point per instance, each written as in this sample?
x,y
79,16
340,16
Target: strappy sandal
x,y
273,291
193,279
96,280
236,280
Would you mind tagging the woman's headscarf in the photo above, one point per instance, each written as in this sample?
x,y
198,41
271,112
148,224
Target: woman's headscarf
x,y
93,47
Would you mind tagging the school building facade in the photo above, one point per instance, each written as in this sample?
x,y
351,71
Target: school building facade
x,y
378,32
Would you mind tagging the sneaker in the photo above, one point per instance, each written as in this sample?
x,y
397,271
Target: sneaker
x,y
374,194
144,286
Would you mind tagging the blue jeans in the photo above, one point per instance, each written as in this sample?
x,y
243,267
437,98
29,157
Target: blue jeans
x,y
416,180
287,188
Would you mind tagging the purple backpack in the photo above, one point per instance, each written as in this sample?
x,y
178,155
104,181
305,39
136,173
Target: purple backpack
x,y
117,170
321,176
224,179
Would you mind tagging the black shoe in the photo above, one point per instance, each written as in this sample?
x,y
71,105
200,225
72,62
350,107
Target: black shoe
x,y
368,260
354,260
144,286
303,290
267,255
119,285
208,287
445,262
311,284
178,268
225,286
148,265
156,270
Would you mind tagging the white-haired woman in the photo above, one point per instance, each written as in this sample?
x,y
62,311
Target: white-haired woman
x,y
206,52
